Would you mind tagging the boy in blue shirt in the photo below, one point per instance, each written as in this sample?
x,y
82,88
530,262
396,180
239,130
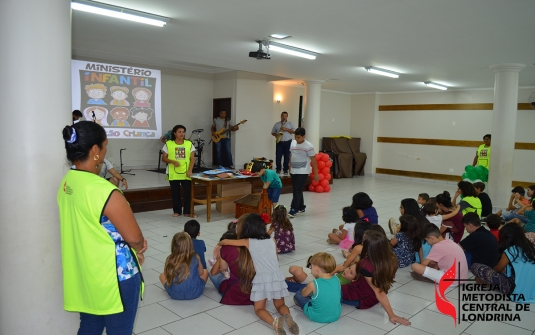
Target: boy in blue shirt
x,y
193,228
273,184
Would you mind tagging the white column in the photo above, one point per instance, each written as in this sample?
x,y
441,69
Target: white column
x,y
503,132
312,106
36,105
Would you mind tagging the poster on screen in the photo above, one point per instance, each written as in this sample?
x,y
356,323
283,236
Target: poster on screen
x,y
125,100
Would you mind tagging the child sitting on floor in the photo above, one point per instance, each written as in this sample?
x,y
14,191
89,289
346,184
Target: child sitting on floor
x,y
423,198
184,277
320,299
284,231
407,242
444,253
302,276
494,222
344,236
193,228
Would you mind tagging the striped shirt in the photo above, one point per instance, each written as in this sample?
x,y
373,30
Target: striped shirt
x,y
300,158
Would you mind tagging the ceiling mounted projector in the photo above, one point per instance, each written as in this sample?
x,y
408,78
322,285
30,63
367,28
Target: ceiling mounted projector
x,y
261,54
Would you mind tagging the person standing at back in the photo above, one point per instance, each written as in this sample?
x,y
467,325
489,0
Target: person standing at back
x,y
283,131
302,154
223,146
483,153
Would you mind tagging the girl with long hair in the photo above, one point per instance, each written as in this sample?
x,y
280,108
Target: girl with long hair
x,y
452,228
515,271
233,270
284,231
408,241
376,270
268,281
183,278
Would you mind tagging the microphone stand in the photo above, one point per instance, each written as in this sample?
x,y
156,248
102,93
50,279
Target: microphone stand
x,y
121,158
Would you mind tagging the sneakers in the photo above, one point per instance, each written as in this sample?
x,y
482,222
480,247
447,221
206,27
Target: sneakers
x,y
292,213
301,210
285,173
392,226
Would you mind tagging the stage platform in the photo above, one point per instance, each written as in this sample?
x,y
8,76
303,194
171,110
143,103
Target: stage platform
x,y
149,191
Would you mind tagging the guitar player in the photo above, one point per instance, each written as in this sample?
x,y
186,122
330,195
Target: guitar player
x,y
223,146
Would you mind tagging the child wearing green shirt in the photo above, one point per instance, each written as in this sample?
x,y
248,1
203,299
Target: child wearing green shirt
x,y
272,183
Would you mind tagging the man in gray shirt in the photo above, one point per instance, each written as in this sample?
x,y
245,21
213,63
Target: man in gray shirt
x,y
286,129
224,143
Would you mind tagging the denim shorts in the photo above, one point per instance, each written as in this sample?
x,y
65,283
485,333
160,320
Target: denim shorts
x,y
274,194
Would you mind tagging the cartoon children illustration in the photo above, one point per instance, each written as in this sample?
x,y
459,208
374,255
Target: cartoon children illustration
x,y
142,96
96,92
119,115
100,115
119,94
141,115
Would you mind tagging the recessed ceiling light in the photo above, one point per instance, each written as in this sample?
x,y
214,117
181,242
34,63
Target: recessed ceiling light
x,y
119,12
288,49
382,72
279,36
436,85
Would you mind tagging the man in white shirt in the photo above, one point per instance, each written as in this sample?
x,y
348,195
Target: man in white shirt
x,y
301,155
283,146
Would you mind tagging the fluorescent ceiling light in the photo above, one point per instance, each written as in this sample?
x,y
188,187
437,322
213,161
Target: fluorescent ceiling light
x,y
279,36
435,85
119,12
382,72
274,46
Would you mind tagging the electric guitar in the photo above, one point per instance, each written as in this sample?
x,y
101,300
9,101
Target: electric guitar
x,y
222,133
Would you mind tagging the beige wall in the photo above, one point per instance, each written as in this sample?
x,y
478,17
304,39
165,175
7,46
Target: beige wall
x,y
363,124
450,124
335,114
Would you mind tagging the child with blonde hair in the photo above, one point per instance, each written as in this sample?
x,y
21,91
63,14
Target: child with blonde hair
x,y
184,277
284,231
320,299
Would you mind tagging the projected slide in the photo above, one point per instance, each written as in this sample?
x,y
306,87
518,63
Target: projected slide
x,y
125,100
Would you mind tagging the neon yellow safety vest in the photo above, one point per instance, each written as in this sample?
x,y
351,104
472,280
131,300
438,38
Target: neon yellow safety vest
x,y
180,153
90,282
475,205
483,156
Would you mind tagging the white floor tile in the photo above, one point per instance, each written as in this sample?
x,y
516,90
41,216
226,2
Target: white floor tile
x,y
234,316
347,325
376,316
441,324
185,308
153,316
198,324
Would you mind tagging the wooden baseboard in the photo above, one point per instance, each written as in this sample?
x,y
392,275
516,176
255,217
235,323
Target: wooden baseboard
x,y
441,107
448,143
438,176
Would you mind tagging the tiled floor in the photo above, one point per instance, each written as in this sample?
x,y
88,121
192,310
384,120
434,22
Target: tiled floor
x,y
159,315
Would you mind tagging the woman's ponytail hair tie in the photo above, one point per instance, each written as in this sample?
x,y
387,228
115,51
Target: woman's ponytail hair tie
x,y
73,137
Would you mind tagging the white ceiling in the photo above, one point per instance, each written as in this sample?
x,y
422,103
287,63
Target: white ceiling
x,y
447,41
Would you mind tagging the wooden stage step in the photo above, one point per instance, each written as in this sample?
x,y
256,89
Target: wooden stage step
x,y
155,198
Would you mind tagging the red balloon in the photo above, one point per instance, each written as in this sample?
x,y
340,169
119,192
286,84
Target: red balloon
x,y
318,157
328,163
314,183
325,171
321,165
324,183
327,188
311,188
328,176
325,158
321,176
319,189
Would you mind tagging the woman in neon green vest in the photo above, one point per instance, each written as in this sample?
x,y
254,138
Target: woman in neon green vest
x,y
179,154
101,244
469,202
483,153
